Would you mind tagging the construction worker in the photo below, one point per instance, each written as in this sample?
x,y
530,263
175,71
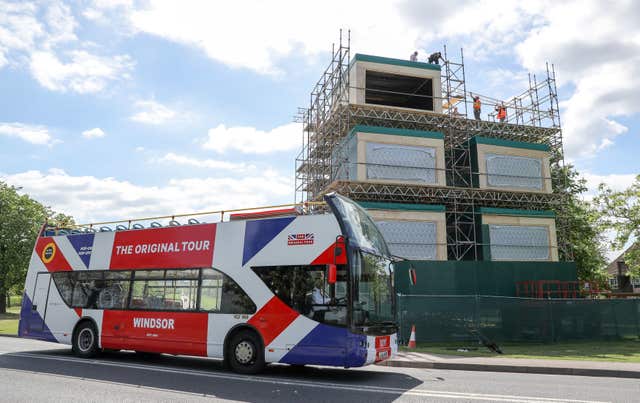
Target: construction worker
x,y
502,112
414,56
435,57
477,106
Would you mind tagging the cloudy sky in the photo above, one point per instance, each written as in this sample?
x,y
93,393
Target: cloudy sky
x,y
112,109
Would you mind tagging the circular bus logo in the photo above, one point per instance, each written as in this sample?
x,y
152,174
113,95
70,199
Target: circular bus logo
x,y
49,252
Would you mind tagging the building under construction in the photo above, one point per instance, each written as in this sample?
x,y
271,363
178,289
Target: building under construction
x,y
475,206
400,137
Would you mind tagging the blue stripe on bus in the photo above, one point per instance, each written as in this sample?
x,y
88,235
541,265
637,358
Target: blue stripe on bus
x,y
329,345
29,320
259,233
83,244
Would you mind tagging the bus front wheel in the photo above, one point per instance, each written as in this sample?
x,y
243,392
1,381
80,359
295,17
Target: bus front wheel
x,y
245,354
85,340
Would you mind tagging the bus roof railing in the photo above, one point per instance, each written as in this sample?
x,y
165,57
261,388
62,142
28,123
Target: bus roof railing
x,y
134,223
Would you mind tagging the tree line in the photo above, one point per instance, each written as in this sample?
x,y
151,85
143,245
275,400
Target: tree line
x,y
21,217
614,212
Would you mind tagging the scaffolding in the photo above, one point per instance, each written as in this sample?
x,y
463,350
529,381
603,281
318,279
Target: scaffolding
x,y
534,118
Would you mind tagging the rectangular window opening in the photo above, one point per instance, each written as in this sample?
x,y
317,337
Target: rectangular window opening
x,y
397,90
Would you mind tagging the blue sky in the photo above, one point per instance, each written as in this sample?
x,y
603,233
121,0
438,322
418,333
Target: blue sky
x,y
113,109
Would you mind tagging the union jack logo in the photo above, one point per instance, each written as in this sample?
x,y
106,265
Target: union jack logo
x,y
300,239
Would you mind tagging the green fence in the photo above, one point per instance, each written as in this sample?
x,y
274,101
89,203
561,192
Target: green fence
x,y
442,318
477,277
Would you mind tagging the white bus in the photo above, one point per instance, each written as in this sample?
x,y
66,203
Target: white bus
x,y
294,288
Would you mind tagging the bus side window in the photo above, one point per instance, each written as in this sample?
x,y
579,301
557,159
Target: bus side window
x,y
165,290
65,282
219,293
305,289
211,290
115,291
87,289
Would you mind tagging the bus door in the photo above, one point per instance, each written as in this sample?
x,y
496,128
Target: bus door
x,y
39,302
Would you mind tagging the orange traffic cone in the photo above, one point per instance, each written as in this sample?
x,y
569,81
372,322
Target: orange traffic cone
x,y
412,338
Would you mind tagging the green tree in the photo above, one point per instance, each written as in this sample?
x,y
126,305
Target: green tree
x,y
20,220
620,212
582,220
60,220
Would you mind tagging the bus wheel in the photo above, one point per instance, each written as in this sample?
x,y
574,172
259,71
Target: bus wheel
x,y
85,340
245,355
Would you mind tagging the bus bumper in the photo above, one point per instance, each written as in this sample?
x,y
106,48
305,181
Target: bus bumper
x,y
381,348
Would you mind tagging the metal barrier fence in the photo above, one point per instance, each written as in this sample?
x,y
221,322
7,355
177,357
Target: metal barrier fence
x,y
444,318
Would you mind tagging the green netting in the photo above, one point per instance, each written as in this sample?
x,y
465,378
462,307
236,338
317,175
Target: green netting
x,y
442,318
476,277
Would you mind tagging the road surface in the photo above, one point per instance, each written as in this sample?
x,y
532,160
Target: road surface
x,y
39,371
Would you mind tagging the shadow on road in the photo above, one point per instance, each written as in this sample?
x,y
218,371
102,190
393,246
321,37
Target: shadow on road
x,y
205,376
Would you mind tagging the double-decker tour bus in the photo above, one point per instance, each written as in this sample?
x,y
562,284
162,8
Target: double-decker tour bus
x,y
296,289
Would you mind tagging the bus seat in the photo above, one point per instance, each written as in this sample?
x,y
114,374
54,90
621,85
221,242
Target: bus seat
x,y
174,223
193,221
138,226
155,224
105,229
121,228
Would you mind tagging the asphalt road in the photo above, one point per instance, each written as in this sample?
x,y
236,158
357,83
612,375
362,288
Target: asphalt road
x,y
38,371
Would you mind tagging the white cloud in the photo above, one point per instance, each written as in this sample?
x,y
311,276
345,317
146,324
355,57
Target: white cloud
x,y
42,36
171,158
84,72
101,10
603,63
93,133
248,139
88,198
61,23
256,35
34,134
19,29
614,181
152,113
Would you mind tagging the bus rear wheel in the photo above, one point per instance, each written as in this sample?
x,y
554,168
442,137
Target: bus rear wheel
x,y
245,354
85,340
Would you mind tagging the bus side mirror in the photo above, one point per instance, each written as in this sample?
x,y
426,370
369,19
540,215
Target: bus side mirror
x,y
412,276
339,246
332,275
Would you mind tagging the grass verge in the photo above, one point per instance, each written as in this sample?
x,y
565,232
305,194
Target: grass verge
x,y
9,320
626,350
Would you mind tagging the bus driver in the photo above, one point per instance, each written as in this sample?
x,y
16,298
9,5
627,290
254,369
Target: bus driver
x,y
319,299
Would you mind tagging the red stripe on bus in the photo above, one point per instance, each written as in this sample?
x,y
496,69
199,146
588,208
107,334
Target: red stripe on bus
x,y
51,255
158,332
327,257
272,319
263,214
162,248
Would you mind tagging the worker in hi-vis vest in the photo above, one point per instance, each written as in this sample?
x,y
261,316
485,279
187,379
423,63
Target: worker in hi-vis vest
x,y
502,112
477,106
